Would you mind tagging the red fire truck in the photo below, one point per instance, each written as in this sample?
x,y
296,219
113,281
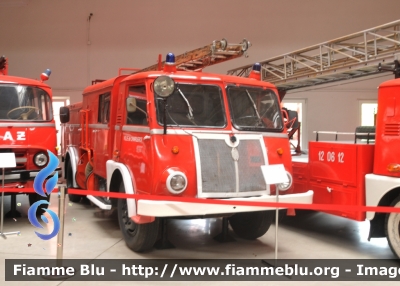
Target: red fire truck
x,y
363,169
172,130
27,128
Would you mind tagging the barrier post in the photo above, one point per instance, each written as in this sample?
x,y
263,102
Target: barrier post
x,y
60,236
275,175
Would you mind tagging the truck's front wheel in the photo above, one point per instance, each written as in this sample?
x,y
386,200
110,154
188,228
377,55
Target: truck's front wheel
x,y
392,228
251,225
138,237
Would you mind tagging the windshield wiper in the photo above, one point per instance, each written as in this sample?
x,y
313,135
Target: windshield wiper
x,y
190,109
255,108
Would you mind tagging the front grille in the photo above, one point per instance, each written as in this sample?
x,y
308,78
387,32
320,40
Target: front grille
x,y
20,158
222,176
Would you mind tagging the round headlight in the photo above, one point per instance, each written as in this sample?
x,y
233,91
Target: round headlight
x,y
176,182
40,159
164,86
286,186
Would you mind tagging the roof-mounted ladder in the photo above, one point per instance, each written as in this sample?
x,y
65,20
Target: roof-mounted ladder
x,y
3,65
195,60
360,54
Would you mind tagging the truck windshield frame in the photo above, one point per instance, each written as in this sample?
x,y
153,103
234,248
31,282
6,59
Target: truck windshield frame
x,y
24,103
200,106
254,109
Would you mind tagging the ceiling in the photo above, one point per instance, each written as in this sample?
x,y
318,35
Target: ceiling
x,y
131,33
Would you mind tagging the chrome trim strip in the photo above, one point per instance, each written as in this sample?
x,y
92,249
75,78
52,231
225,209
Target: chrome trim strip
x,y
28,125
72,125
141,129
197,131
276,135
99,126
189,132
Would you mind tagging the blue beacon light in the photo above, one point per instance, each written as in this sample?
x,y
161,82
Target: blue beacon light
x,y
257,67
256,72
170,66
170,60
45,75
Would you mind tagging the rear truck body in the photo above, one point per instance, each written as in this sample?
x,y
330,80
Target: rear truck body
x,y
364,171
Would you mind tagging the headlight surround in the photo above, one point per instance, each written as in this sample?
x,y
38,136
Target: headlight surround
x,y
176,182
164,86
40,159
286,186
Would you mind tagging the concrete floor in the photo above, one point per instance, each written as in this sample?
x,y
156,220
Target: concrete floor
x,y
309,235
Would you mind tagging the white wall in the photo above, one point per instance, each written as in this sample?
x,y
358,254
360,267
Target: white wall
x,y
40,34
336,108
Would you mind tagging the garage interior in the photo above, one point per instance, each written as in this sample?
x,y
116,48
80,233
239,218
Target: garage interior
x,y
81,41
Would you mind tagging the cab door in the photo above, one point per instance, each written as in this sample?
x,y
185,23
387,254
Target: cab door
x,y
136,150
100,132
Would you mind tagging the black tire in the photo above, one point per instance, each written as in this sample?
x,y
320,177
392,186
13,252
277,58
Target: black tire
x,y
138,237
251,225
69,179
33,198
392,228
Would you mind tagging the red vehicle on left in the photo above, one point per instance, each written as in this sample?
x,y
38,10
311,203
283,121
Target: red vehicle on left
x,y
27,128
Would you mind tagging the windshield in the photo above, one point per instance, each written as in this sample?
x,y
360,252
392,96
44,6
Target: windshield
x,y
193,105
24,103
254,109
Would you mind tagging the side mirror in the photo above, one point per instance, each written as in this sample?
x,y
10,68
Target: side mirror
x,y
64,114
131,104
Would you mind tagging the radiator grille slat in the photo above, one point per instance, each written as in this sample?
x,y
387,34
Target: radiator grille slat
x,y
218,171
217,167
251,158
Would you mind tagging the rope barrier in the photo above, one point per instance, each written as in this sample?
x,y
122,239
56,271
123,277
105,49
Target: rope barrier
x,y
315,207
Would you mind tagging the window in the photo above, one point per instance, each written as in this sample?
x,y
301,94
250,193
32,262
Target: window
x,y
136,106
104,108
368,109
193,105
298,106
24,103
254,108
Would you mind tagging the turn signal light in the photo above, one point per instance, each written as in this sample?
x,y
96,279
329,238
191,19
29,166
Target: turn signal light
x,y
175,150
394,168
279,151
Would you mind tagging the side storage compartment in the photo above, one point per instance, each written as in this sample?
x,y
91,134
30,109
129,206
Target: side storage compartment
x,y
337,175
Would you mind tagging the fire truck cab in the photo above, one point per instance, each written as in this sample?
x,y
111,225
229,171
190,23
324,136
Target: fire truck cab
x,y
27,127
183,134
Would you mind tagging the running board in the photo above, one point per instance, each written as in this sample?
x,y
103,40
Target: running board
x,y
101,202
